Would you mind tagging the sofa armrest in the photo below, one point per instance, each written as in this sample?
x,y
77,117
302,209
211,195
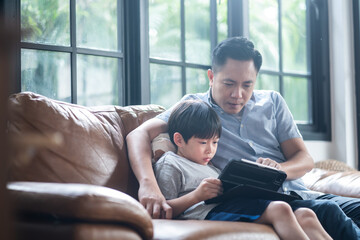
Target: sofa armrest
x,y
81,202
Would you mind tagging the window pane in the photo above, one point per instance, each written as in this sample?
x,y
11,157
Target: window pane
x,y
296,94
222,26
197,31
96,24
294,36
164,29
97,82
46,73
47,21
165,84
196,80
263,17
267,82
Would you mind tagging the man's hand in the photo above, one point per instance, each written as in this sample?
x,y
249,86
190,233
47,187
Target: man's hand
x,y
208,188
154,202
269,162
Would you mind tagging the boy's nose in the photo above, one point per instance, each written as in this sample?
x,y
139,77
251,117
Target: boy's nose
x,y
210,148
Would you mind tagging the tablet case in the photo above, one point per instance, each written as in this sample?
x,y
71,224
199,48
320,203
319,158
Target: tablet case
x,y
248,179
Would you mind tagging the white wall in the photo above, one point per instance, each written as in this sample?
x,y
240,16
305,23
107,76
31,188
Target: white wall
x,y
343,146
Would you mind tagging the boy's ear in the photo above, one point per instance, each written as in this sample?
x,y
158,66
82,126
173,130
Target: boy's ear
x,y
178,139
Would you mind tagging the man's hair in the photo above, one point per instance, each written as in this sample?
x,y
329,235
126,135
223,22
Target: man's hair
x,y
194,118
237,48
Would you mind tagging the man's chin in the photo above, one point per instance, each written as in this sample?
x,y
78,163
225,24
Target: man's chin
x,y
232,109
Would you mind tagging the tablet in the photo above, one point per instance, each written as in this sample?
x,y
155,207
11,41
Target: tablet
x,y
244,178
242,171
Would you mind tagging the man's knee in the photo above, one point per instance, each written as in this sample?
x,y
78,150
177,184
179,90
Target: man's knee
x,y
330,208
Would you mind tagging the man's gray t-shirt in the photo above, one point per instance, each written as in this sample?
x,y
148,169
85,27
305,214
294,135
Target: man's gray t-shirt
x,y
265,123
177,176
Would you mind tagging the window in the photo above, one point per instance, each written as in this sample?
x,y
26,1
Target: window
x,y
280,33
291,35
73,50
181,36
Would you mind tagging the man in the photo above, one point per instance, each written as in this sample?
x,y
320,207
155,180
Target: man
x,y
257,125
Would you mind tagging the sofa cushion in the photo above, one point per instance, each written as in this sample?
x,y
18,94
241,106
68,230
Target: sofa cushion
x,y
195,229
160,145
93,150
344,183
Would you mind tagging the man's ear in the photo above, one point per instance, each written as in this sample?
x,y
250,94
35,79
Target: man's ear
x,y
210,74
178,139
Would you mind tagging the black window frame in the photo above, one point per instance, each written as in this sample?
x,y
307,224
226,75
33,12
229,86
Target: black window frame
x,y
320,129
128,55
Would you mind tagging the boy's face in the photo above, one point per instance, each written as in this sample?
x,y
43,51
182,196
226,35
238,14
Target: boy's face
x,y
198,150
233,85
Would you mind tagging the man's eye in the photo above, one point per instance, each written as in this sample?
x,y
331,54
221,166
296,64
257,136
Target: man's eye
x,y
215,142
228,84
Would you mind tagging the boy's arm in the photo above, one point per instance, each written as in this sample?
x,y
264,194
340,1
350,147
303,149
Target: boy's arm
x,y
208,188
139,150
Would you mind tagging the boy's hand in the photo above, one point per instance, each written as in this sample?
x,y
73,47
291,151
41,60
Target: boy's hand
x,y
269,162
208,188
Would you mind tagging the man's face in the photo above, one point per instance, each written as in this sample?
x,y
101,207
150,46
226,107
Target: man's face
x,y
233,84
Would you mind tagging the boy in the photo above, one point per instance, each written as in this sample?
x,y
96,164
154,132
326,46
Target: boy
x,y
187,178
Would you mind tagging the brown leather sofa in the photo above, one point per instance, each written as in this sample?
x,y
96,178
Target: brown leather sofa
x,y
84,188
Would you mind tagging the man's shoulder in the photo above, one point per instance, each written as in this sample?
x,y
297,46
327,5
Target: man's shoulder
x,y
266,93
261,96
196,96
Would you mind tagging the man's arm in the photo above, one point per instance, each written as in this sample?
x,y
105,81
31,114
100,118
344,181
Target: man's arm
x,y
139,150
299,161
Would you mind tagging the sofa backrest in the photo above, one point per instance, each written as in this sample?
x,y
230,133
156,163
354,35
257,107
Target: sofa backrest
x,y
93,149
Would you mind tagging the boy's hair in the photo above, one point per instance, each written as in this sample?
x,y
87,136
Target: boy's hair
x,y
194,118
237,48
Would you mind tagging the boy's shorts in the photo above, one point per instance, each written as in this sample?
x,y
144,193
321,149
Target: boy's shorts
x,y
238,209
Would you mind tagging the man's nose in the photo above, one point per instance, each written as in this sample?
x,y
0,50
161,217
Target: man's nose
x,y
237,93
